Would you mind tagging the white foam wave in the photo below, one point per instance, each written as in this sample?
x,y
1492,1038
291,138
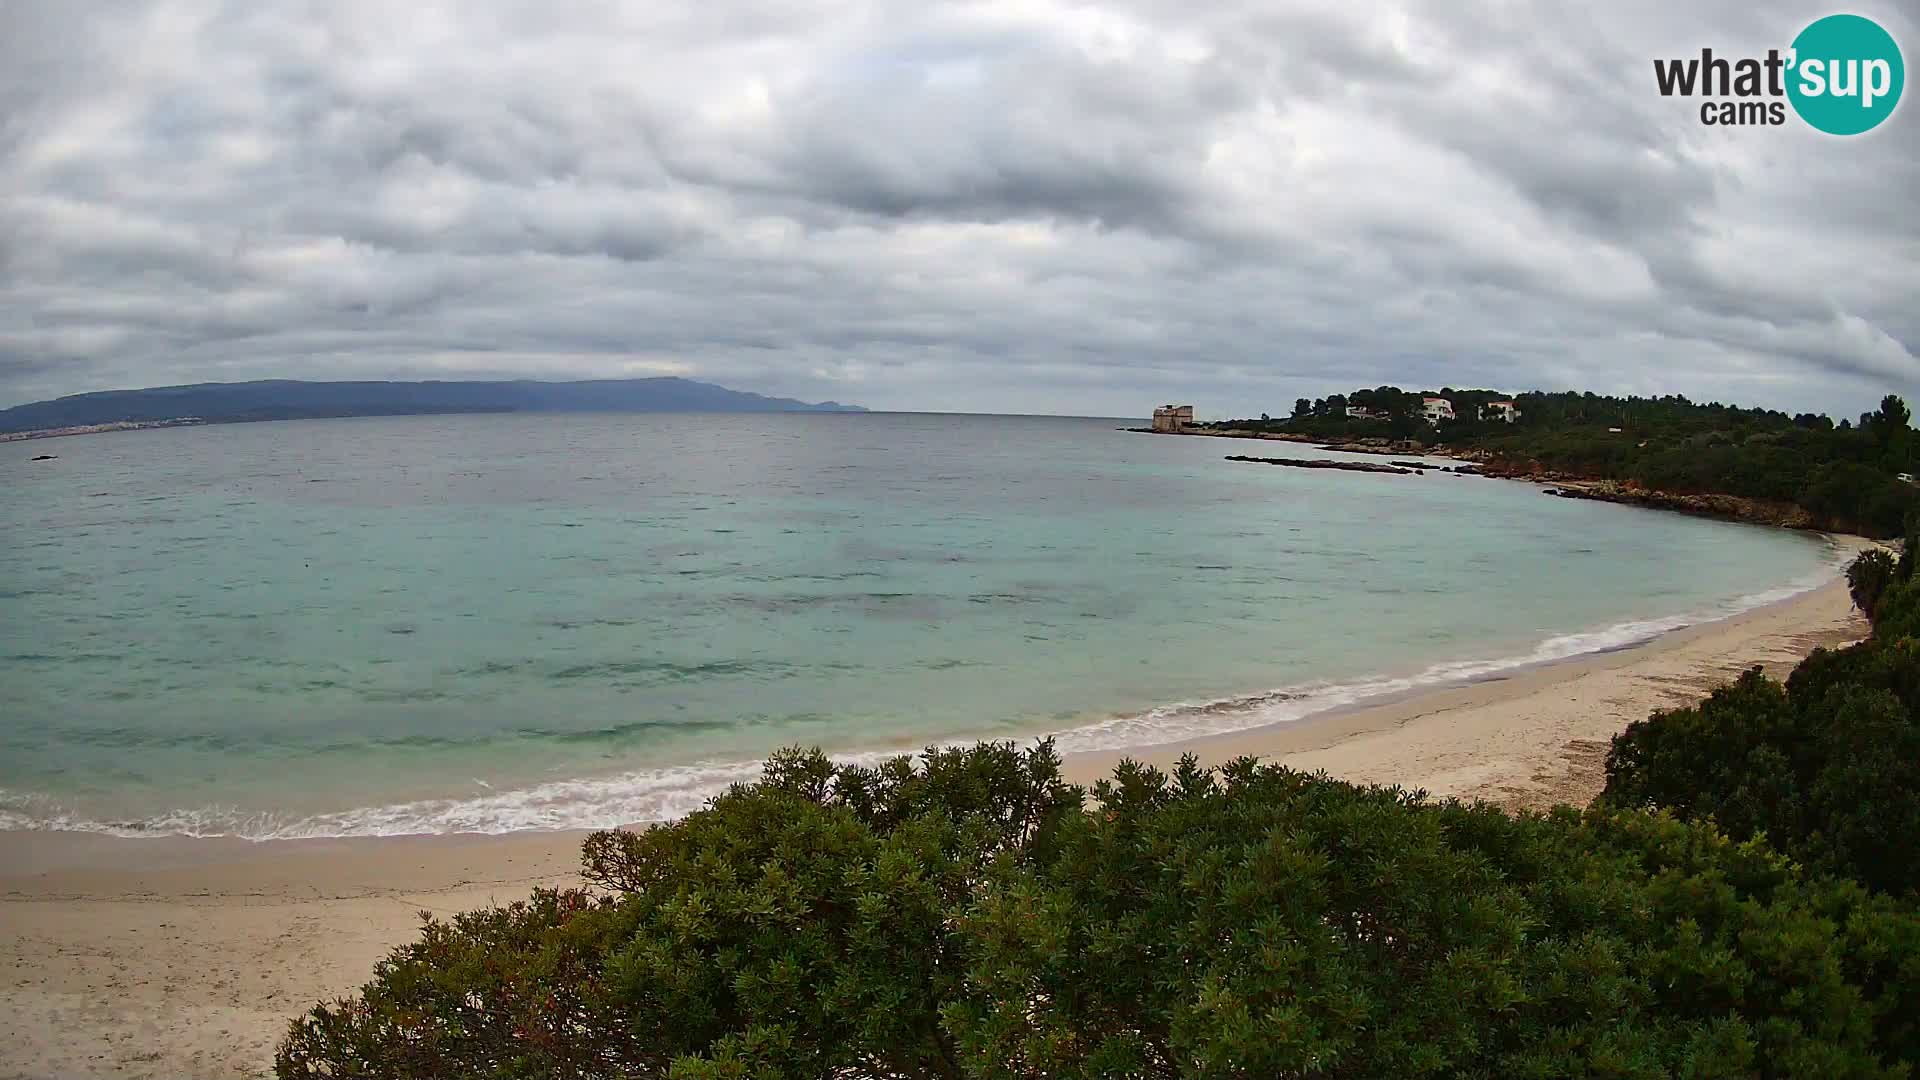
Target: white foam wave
x,y
667,793
1188,720
603,802
596,803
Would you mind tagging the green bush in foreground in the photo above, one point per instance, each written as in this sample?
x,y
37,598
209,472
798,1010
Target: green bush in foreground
x,y
1826,767
1868,577
968,917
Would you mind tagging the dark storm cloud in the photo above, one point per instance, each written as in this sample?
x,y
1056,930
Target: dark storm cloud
x,y
1018,205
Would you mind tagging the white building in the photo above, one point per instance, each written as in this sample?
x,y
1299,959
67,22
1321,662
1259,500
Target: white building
x,y
1436,409
1361,412
1500,410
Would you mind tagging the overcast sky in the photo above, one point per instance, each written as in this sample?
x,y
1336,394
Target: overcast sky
x,y
1005,207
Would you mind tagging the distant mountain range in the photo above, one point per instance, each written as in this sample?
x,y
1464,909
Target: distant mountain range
x,y
289,399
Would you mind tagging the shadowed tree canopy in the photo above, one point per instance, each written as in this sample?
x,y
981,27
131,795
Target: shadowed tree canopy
x,y
967,916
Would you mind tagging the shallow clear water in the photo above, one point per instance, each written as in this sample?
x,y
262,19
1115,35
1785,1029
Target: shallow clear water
x,y
498,622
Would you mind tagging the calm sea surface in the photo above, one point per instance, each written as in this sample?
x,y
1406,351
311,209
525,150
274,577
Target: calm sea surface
x,y
430,624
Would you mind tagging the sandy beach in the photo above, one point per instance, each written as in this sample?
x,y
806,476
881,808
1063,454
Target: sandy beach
x,y
1537,737
177,957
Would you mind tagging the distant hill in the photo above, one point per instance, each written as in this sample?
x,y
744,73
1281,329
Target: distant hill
x,y
288,399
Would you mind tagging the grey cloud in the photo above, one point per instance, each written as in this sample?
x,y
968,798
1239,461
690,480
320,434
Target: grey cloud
x,y
1050,208
17,362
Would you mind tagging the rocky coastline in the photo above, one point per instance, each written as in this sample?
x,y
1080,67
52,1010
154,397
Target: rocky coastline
x,y
1561,484
1725,507
1576,486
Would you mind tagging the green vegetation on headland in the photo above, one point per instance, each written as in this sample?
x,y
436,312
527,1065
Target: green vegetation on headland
x,y
1841,477
1741,902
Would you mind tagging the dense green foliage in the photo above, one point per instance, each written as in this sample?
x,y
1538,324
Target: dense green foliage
x,y
968,917
1868,577
798,925
1844,475
1827,766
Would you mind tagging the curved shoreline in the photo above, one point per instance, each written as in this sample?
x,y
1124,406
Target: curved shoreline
x,y
1532,737
176,956
1265,720
1324,701
1774,633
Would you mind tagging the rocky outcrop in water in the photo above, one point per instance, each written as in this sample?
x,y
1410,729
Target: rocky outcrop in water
x,y
1325,463
1730,507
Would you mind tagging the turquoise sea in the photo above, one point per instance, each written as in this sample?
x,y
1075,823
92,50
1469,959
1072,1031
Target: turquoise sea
x,y
500,622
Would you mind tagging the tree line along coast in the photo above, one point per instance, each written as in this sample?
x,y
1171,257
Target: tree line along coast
x,y
1763,465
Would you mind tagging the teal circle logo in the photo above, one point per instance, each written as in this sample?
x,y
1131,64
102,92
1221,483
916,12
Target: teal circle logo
x,y
1845,74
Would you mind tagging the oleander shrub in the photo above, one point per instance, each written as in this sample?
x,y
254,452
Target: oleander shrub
x,y
970,916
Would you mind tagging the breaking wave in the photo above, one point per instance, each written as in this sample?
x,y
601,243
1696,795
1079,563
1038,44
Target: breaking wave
x,y
667,793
